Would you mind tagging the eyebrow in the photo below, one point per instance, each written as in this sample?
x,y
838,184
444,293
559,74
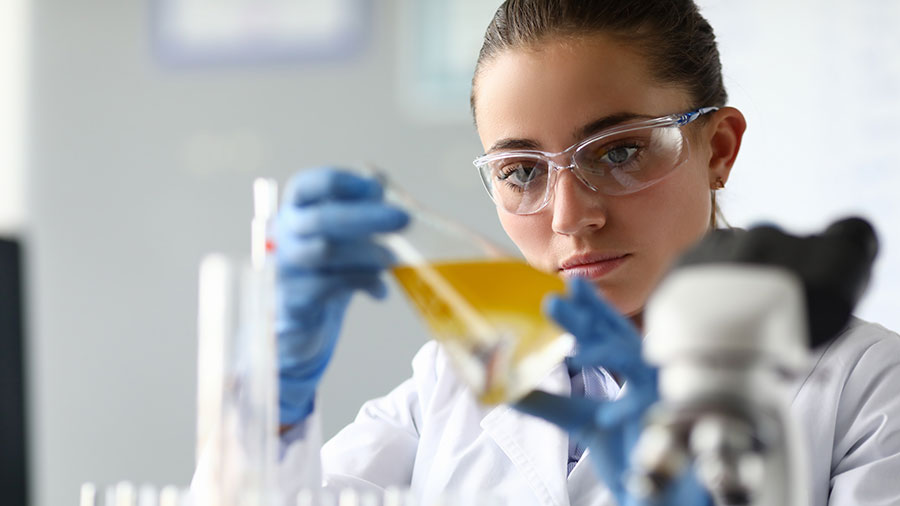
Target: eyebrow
x,y
612,120
587,130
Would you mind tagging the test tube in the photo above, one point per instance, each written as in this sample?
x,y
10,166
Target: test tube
x,y
88,495
169,496
327,498
259,324
265,205
125,494
368,498
216,326
237,403
348,497
305,497
109,496
147,496
395,496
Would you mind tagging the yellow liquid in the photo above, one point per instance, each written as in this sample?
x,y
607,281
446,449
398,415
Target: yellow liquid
x,y
488,315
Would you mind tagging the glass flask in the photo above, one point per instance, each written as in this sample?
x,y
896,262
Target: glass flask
x,y
481,303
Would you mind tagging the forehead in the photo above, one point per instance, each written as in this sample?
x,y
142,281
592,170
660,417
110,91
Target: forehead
x,y
547,92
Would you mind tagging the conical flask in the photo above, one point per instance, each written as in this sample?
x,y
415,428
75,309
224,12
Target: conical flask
x,y
481,303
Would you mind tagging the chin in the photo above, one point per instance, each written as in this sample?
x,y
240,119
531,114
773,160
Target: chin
x,y
619,300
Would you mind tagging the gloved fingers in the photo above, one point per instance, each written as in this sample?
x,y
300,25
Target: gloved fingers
x,y
620,357
686,489
622,360
579,415
375,288
604,337
339,220
296,398
299,293
296,390
584,293
573,414
629,409
295,387
307,337
598,341
328,183
293,412
320,254
567,315
610,458
588,318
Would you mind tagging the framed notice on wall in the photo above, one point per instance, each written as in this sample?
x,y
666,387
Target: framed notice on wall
x,y
437,49
203,32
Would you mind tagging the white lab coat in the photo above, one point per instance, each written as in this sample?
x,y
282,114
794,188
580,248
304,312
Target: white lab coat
x,y
431,435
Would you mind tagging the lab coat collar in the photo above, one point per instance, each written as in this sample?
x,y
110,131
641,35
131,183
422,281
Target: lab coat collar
x,y
542,465
584,486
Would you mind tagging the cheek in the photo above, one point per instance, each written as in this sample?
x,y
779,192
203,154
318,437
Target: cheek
x,y
691,208
660,223
679,216
531,234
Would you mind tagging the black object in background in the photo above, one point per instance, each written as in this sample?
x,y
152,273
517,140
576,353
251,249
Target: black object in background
x,y
13,463
834,266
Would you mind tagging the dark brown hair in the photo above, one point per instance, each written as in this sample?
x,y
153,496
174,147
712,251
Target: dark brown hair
x,y
678,42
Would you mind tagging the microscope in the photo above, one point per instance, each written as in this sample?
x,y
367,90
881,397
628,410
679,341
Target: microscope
x,y
731,329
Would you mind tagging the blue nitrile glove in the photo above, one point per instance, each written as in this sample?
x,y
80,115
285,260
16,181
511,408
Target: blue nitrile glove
x,y
325,252
609,428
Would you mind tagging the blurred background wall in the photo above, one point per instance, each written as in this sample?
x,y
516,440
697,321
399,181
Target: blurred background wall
x,y
143,143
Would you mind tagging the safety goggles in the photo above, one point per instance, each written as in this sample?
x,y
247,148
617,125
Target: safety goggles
x,y
621,160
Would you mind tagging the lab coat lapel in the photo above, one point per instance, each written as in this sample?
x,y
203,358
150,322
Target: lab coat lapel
x,y
538,449
585,487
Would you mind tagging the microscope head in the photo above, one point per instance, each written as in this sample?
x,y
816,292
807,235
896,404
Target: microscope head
x,y
731,324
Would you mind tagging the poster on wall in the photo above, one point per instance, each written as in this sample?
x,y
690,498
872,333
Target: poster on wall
x,y
218,32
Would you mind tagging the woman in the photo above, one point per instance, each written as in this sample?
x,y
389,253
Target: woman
x,y
551,78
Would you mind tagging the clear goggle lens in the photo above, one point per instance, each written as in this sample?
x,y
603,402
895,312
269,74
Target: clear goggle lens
x,y
617,164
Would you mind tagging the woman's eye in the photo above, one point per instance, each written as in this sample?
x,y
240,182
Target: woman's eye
x,y
619,155
517,173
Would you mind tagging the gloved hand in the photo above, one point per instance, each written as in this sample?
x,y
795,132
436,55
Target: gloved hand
x,y
325,253
610,429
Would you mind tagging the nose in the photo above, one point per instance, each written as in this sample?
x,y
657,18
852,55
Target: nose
x,y
575,206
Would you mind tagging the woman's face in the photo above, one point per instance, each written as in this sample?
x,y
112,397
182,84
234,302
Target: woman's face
x,y
545,96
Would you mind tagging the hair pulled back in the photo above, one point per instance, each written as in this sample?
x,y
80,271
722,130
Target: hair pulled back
x,y
672,34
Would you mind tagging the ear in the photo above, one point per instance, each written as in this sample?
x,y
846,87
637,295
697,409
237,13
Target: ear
x,y
724,135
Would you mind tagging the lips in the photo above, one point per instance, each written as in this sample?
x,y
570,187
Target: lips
x,y
592,265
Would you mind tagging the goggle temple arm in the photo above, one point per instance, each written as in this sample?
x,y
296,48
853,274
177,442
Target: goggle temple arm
x,y
687,117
